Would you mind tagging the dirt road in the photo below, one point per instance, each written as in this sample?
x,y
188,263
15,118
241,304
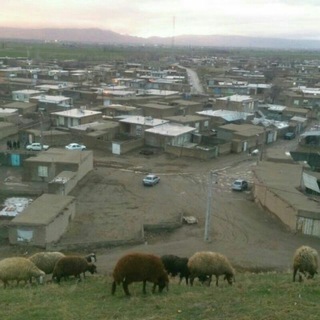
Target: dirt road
x,y
112,204
115,204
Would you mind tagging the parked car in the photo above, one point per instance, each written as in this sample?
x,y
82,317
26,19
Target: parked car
x,y
150,180
76,146
37,146
289,136
239,185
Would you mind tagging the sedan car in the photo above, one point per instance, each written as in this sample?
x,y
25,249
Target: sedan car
x,y
239,185
150,180
76,146
37,146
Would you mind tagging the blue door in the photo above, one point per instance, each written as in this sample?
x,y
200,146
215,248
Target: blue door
x,y
15,160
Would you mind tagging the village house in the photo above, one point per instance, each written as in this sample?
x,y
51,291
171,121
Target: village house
x,y
200,123
22,107
50,103
74,117
168,134
158,110
96,135
43,222
118,110
135,126
46,165
241,103
25,95
222,117
244,137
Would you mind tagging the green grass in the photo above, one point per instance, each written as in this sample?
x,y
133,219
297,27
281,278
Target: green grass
x,y
91,53
252,297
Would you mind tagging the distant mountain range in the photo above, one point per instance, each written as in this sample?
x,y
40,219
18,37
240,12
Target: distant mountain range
x,y
110,37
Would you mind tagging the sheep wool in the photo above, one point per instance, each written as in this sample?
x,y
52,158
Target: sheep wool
x,y
210,263
18,268
72,266
305,260
175,265
46,261
136,267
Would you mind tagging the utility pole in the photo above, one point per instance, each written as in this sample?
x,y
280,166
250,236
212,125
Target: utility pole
x,y
212,178
41,129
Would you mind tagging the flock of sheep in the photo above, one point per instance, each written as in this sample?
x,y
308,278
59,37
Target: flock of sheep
x,y
42,263
141,267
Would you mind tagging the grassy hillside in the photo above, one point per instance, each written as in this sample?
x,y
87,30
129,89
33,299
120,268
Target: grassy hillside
x,y
253,296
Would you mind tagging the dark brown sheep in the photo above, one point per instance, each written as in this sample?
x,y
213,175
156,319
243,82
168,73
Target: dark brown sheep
x,y
72,266
136,267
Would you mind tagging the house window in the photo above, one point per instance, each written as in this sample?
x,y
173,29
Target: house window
x,y
42,171
206,124
296,102
24,235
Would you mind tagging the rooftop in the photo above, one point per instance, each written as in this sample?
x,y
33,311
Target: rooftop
x,y
76,113
171,129
43,210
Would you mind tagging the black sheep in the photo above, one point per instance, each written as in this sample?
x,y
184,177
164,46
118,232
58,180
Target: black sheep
x,y
72,266
179,266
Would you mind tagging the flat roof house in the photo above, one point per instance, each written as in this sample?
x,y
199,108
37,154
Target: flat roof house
x,y
136,126
25,95
237,102
43,222
168,134
75,117
51,103
46,165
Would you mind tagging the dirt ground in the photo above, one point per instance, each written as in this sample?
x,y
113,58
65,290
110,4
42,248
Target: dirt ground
x,y
112,204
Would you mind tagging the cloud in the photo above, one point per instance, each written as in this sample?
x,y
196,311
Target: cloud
x,y
150,17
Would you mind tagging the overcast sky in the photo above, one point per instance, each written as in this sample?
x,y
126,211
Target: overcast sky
x,y
276,18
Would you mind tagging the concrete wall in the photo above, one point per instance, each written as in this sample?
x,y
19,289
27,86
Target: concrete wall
x,y
127,146
269,200
59,225
7,129
63,183
225,148
203,154
86,163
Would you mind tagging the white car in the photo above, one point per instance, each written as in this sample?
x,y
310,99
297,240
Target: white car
x,y
76,146
36,146
150,180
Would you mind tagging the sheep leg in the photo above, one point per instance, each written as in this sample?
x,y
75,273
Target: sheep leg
x,y
217,280
125,288
191,280
144,287
114,287
208,280
294,274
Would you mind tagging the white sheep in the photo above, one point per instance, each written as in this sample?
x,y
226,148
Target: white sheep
x,y
305,260
18,268
210,263
46,261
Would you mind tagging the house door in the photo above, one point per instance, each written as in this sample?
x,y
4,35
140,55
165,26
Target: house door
x,y
15,160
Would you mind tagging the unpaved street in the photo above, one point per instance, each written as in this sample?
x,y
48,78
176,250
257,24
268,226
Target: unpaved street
x,y
113,204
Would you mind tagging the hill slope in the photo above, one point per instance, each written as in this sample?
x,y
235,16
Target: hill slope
x,y
95,35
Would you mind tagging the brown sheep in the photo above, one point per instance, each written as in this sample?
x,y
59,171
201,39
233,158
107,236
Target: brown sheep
x,y
305,261
72,266
136,267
